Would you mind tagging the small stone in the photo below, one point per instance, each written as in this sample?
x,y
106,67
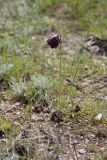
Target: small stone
x,y
75,141
17,104
99,117
82,151
92,136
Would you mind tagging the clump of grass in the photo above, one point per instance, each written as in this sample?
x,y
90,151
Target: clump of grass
x,y
10,130
41,82
5,67
37,87
18,87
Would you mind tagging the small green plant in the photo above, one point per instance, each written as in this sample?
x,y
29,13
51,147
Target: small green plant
x,y
39,87
41,82
19,87
10,130
5,67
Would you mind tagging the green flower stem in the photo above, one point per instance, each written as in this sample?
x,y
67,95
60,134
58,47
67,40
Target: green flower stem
x,y
60,70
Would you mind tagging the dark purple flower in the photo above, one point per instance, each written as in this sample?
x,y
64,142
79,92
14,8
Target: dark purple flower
x,y
54,41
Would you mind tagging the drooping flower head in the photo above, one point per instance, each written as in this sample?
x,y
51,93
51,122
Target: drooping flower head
x,y
54,41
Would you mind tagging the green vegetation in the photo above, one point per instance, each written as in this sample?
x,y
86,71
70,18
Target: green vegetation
x,y
31,79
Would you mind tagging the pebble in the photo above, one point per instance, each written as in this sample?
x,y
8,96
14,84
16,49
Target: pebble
x,y
82,151
99,117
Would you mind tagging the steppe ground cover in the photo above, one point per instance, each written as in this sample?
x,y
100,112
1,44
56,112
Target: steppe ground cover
x,y
53,103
